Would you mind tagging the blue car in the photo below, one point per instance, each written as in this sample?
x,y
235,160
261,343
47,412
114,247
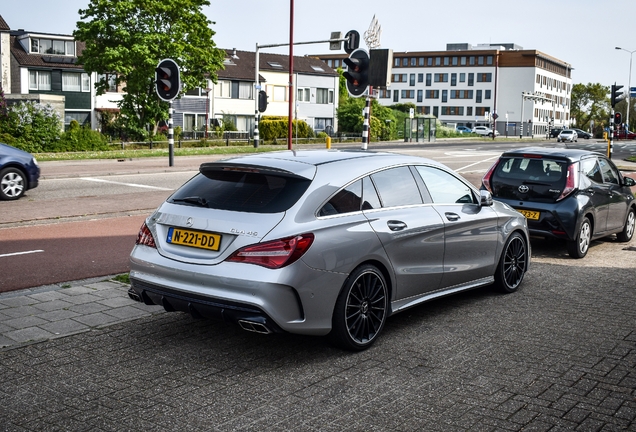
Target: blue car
x,y
19,172
463,129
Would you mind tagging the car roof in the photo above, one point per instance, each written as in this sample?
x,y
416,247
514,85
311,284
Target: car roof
x,y
304,163
564,153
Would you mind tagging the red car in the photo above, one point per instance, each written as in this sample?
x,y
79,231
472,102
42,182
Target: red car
x,y
624,134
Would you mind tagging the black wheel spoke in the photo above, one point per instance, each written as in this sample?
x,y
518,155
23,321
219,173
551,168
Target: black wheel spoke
x,y
366,307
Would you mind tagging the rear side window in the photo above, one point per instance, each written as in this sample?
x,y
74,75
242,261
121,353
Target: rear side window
x,y
397,187
348,200
243,191
591,170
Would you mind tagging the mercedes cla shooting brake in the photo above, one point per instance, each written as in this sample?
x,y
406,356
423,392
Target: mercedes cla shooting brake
x,y
569,194
324,242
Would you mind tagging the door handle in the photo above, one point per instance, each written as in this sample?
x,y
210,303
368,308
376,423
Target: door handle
x,y
395,225
451,216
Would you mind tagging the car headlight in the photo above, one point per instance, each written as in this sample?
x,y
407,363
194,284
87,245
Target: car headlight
x,y
35,161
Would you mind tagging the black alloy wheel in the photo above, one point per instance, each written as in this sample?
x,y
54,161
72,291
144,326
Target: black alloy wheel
x,y
513,264
361,309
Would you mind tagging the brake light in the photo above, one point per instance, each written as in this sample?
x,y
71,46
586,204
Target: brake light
x,y
486,179
145,237
274,254
571,181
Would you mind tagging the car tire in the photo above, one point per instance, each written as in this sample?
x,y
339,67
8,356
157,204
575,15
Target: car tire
x,y
513,264
12,184
361,309
628,230
578,247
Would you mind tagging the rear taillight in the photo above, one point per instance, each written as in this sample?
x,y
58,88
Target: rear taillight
x,y
274,254
571,181
145,237
488,176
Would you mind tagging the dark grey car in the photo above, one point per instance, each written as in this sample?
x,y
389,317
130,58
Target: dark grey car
x,y
324,242
570,194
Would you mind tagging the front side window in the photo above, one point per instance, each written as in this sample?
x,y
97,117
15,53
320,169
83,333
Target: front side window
x,y
445,188
396,187
610,175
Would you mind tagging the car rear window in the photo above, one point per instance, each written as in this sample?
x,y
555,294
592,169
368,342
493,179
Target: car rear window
x,y
242,190
545,177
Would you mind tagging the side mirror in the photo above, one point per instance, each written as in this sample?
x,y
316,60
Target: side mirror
x,y
486,198
628,181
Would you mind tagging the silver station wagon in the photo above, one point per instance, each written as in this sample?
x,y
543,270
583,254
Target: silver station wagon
x,y
324,242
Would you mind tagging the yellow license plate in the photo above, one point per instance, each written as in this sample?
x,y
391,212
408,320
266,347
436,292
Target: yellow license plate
x,y
529,214
197,239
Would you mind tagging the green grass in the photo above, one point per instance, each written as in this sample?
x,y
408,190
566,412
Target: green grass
x,y
123,278
159,152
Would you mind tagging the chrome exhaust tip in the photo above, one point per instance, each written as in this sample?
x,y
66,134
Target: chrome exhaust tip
x,y
133,295
255,327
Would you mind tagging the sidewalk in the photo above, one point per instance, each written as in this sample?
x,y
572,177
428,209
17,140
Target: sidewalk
x,y
54,311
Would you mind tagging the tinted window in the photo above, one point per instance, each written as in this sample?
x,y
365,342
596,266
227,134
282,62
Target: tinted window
x,y
545,170
396,187
370,195
241,191
347,200
610,175
445,188
591,170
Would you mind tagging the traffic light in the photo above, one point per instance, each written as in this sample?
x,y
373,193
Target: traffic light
x,y
618,119
262,101
353,41
617,95
357,73
167,80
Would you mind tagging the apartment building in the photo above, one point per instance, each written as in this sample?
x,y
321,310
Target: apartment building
x,y
466,85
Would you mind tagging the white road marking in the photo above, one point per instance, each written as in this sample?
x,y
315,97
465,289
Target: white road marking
x,y
21,253
124,184
476,163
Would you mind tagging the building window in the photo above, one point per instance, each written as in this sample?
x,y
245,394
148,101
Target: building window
x,y
420,78
480,60
222,89
456,111
324,96
110,79
384,94
320,124
478,96
461,94
453,79
436,111
39,80
438,61
462,77
405,61
279,93
462,61
413,61
469,111
486,94
83,118
432,94
429,61
412,79
408,94
304,95
471,60
52,46
444,96
420,61
441,77
471,79
428,79
446,61
484,77
396,96
420,95
489,60
74,82
396,62
481,111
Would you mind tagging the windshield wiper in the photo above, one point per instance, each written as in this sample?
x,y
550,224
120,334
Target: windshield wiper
x,y
201,202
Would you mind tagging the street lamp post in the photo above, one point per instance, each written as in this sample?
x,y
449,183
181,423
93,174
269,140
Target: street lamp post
x,y
629,82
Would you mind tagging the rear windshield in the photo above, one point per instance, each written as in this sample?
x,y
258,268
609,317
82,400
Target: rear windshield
x,y
251,192
545,178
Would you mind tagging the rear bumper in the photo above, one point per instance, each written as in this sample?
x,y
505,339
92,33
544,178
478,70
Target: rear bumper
x,y
202,307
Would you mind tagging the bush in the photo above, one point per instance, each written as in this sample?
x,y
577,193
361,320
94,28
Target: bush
x,y
79,138
32,125
271,128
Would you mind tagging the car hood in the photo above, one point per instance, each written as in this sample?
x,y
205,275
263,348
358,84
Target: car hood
x,y
7,150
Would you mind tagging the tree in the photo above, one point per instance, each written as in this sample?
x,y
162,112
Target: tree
x,y
129,38
590,102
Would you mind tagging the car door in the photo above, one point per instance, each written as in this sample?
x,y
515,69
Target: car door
x,y
617,198
411,232
597,193
470,230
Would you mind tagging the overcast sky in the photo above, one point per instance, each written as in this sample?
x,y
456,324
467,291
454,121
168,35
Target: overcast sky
x,y
583,33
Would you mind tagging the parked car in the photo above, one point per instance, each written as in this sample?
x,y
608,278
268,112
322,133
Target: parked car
x,y
569,194
582,134
624,134
463,129
324,242
484,130
555,132
19,172
567,135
